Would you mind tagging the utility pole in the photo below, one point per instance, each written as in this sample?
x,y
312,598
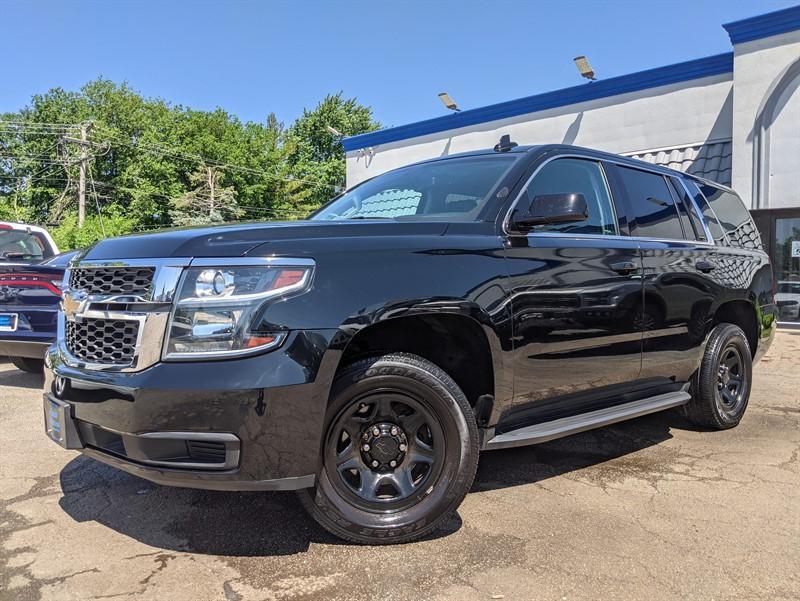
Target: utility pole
x,y
82,174
83,163
212,177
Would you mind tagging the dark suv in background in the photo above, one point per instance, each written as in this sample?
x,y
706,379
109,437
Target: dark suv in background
x,y
365,356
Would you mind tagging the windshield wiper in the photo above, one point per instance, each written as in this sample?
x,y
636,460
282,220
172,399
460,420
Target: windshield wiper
x,y
368,217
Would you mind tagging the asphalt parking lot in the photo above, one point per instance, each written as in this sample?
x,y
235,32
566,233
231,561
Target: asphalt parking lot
x,y
647,509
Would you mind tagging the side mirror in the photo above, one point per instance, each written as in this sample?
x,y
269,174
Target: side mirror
x,y
548,209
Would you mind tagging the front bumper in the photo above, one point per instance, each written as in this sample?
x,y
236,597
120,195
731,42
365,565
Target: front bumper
x,y
246,424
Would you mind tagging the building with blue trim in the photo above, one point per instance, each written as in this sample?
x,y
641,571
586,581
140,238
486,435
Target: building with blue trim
x,y
733,118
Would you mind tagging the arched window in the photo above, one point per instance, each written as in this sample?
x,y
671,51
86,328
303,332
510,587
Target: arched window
x,y
776,144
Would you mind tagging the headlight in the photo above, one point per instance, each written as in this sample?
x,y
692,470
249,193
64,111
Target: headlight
x,y
217,304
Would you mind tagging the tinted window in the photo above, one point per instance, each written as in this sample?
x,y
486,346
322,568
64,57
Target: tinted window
x,y
452,190
653,212
733,217
714,227
570,176
692,226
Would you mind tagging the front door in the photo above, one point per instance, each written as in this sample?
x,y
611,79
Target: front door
x,y
576,289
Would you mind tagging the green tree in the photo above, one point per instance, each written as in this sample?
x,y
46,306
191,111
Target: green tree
x,y
113,222
315,154
150,160
208,202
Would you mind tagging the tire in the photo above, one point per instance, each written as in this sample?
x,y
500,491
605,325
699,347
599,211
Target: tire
x,y
410,460
33,366
720,396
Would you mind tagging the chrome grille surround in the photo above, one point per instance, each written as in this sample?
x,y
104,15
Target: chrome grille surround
x,y
133,323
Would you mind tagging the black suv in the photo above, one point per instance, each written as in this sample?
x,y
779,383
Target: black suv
x,y
366,355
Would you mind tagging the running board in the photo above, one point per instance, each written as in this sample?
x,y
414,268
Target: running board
x,y
586,421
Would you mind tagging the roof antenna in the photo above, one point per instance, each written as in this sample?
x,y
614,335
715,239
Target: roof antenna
x,y
505,144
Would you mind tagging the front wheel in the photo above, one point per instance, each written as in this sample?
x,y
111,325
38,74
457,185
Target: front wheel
x,y
399,454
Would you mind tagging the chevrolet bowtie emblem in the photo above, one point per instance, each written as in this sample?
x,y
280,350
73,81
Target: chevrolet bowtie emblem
x,y
73,303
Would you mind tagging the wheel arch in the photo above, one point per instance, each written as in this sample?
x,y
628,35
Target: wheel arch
x,y
466,349
743,314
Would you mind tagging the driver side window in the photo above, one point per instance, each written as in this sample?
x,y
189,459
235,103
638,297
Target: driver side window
x,y
581,176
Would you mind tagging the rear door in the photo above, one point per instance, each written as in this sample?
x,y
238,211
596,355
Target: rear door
x,y
677,261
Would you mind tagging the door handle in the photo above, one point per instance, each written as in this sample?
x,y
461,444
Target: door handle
x,y
624,267
704,266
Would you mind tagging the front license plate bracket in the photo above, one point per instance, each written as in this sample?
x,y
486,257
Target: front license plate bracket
x,y
59,423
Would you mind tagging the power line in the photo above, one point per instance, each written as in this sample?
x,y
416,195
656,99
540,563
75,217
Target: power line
x,y
39,124
26,134
165,151
46,157
253,209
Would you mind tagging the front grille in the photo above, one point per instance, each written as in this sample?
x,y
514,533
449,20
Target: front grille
x,y
112,280
105,341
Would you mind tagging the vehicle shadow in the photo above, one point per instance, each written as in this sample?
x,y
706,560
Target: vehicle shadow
x,y
251,524
535,463
11,376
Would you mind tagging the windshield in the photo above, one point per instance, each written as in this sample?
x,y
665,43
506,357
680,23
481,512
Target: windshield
x,y
789,287
23,246
449,190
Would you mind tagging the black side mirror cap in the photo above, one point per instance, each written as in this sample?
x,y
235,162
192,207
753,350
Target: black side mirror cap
x,y
549,209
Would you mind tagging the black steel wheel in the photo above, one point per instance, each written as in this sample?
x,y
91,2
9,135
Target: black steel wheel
x,y
731,379
383,448
721,387
399,454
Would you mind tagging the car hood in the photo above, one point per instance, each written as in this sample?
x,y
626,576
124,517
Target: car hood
x,y
242,239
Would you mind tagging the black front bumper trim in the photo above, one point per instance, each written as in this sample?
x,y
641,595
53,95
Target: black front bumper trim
x,y
197,480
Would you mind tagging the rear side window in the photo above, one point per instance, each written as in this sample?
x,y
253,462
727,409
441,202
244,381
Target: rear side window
x,y
692,225
576,176
717,233
653,211
733,217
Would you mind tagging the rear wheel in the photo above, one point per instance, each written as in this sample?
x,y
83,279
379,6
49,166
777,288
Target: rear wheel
x,y
721,388
34,366
399,454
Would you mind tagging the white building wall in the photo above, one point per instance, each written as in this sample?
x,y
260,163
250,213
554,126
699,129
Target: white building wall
x,y
678,115
766,123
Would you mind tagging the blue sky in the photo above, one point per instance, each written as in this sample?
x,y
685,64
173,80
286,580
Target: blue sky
x,y
254,57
